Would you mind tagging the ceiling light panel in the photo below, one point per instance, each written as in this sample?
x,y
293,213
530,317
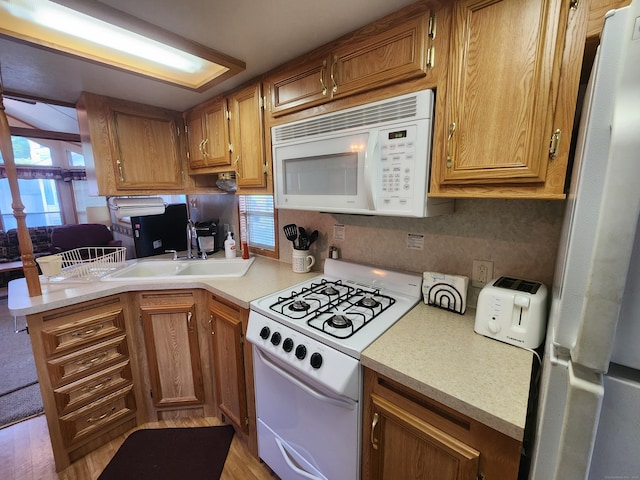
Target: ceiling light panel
x,y
167,57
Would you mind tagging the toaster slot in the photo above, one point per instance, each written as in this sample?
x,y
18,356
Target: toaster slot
x,y
518,284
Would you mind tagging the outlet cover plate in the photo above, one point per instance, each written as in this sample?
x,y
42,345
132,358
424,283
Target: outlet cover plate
x,y
482,273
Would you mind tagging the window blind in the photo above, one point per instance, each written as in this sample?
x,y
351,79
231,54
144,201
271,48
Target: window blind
x,y
257,222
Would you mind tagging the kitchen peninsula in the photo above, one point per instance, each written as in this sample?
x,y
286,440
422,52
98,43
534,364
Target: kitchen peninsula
x,y
95,337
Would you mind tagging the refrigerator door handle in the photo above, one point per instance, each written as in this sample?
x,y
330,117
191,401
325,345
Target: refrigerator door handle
x,y
580,422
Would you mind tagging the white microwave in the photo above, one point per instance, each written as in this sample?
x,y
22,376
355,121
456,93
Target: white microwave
x,y
372,159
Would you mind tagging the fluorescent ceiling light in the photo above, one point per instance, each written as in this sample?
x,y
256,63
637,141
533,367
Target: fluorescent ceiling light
x,y
99,33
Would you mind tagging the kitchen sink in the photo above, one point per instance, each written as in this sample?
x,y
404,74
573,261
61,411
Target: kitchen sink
x,y
172,269
234,267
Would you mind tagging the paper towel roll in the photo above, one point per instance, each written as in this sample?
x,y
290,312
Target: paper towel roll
x,y
137,207
126,202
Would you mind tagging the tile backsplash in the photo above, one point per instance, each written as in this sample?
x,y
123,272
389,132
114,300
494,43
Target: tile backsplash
x,y
520,237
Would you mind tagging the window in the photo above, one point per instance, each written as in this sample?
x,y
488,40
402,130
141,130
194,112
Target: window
x,y
258,223
75,159
39,194
40,200
82,200
28,152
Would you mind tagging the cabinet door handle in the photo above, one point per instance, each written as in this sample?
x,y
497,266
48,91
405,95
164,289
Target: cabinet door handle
x,y
374,423
322,69
333,78
452,128
189,326
554,145
431,57
205,151
120,170
235,166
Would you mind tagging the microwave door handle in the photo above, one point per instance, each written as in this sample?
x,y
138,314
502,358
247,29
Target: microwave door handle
x,y
370,169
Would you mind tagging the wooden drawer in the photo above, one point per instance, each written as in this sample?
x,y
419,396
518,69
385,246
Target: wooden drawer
x,y
86,328
97,417
80,364
77,394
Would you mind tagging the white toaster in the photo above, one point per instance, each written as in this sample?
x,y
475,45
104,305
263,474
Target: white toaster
x,y
513,310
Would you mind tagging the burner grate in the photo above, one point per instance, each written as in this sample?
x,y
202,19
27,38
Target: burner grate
x,y
298,305
358,310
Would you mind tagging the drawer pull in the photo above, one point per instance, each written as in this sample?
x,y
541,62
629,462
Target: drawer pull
x,y
94,360
87,333
96,386
101,417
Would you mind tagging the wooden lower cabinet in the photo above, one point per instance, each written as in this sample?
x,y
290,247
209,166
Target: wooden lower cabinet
x,y
170,326
233,368
108,365
407,435
85,374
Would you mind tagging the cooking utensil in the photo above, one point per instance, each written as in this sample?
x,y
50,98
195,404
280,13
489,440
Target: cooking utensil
x,y
312,238
291,232
302,239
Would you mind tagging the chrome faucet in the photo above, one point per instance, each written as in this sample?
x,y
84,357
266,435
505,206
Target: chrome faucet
x,y
190,233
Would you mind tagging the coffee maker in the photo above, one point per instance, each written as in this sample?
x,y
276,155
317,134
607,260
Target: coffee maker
x,y
208,236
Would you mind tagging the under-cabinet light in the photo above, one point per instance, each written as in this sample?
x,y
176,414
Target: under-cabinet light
x,y
167,57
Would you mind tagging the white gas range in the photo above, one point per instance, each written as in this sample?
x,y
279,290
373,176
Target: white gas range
x,y
307,343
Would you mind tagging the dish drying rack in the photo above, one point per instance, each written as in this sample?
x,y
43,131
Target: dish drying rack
x,y
90,262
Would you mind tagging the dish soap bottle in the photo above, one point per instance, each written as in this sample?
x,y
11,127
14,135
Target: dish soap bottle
x,y
229,246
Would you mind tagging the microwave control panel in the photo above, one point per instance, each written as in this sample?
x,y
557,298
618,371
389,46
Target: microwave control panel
x,y
397,168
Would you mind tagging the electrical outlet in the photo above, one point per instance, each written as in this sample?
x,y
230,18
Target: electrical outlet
x,y
482,273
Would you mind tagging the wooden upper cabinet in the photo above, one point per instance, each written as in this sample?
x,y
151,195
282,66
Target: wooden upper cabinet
x,y
300,87
208,136
371,58
130,148
393,56
597,12
247,139
497,126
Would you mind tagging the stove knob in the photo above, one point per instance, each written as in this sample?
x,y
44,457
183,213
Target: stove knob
x,y
264,333
276,338
287,345
316,360
301,352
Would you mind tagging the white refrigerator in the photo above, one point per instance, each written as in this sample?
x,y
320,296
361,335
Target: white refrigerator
x,y
588,419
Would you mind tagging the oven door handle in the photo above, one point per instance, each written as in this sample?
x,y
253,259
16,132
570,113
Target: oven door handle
x,y
287,458
311,391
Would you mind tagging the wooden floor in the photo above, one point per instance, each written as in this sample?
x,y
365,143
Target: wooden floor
x,y
25,454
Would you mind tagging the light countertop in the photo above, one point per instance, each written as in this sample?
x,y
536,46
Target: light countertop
x,y
430,350
264,277
438,354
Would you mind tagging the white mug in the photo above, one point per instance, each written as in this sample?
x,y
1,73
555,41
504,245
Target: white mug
x,y
302,261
